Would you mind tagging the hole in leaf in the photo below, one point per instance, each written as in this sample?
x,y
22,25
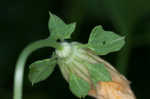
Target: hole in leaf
x,y
58,40
104,42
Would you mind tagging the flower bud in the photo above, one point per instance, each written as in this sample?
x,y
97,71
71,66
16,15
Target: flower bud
x,y
73,58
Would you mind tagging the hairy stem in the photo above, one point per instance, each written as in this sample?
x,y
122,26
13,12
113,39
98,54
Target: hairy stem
x,y
19,70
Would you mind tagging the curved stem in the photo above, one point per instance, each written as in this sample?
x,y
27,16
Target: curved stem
x,y
19,70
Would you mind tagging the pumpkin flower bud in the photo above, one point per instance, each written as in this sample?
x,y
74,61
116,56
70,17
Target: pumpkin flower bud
x,y
74,59
86,73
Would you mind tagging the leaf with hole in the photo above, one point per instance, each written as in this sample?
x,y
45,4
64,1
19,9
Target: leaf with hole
x,y
103,42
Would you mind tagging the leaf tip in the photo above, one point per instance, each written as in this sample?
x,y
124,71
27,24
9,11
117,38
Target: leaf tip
x,y
50,13
74,23
32,84
99,27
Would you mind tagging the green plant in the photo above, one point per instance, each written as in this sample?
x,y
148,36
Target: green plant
x,y
78,62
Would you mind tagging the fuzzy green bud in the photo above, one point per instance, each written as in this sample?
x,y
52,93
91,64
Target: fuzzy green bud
x,y
72,58
83,63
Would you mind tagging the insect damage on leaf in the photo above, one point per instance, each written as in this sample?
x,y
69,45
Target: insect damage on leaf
x,y
103,42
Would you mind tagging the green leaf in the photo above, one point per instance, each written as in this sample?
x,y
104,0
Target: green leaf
x,y
58,28
40,70
104,42
78,86
98,72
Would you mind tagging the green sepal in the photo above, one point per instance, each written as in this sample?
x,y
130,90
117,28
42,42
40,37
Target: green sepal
x,y
104,42
98,72
41,70
78,86
59,29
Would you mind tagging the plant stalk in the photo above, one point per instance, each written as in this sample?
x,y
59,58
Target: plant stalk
x,y
19,70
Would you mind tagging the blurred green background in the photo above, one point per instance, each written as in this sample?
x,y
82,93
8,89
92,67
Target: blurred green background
x,y
27,21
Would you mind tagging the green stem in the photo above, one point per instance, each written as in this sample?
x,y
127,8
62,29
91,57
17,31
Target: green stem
x,y
19,70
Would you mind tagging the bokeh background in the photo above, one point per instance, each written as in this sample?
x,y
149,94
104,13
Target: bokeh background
x,y
27,21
